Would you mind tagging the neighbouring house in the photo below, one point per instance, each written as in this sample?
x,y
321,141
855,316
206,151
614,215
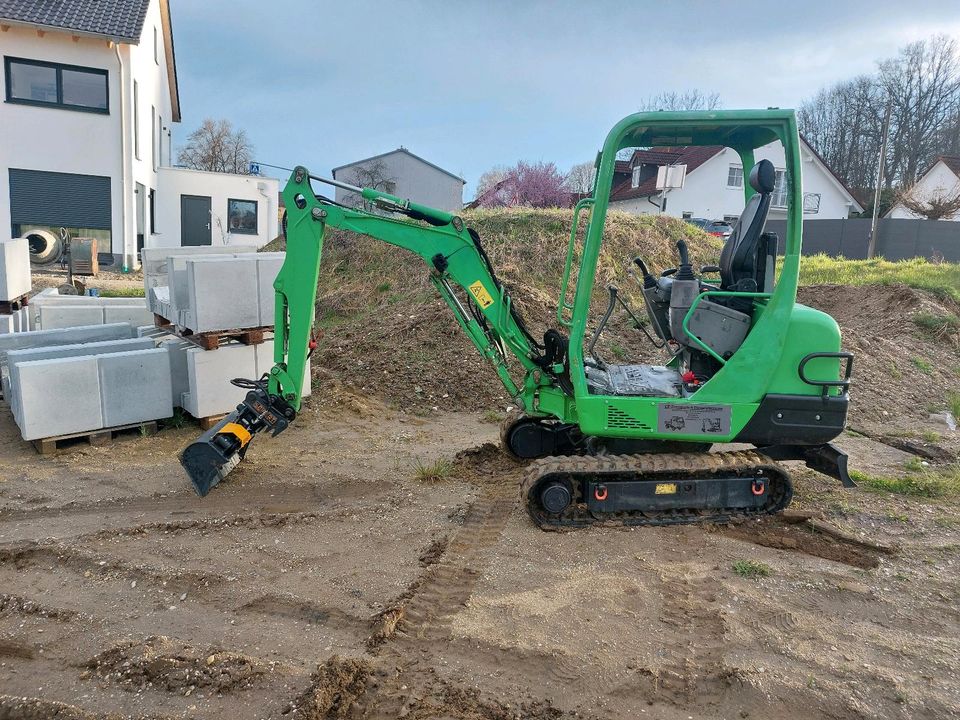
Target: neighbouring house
x,y
941,180
401,173
713,188
90,98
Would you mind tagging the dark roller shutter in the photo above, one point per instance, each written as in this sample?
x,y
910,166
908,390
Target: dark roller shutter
x,y
52,198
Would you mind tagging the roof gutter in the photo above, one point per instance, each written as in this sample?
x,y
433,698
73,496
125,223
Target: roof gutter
x,y
129,259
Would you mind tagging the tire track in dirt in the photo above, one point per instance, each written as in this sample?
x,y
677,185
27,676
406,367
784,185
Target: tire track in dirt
x,y
693,672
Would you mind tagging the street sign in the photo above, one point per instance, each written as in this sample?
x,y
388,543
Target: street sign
x,y
254,168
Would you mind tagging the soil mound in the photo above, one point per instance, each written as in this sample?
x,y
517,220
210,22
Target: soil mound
x,y
384,331
334,689
167,664
901,369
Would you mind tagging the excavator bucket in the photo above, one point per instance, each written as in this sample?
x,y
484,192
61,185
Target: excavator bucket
x,y
211,457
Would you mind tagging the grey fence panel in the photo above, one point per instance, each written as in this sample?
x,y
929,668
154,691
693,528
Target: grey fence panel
x,y
896,239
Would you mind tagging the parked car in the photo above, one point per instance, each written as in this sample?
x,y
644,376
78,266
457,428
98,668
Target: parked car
x,y
719,228
697,222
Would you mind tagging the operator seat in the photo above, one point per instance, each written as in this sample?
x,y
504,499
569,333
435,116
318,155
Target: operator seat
x,y
740,260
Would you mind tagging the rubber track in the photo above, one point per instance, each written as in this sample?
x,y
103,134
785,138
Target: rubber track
x,y
673,466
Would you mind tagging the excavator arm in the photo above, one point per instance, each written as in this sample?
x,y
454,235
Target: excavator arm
x,y
459,269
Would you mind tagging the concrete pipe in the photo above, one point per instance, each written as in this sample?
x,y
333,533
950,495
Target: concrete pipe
x,y
45,247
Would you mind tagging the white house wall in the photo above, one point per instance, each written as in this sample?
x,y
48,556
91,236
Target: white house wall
x,y
415,180
705,193
940,180
219,187
69,141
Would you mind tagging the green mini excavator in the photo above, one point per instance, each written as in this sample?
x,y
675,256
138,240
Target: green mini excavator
x,y
615,443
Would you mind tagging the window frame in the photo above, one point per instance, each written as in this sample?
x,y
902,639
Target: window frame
x,y
782,192
8,61
635,176
136,119
256,215
156,46
730,170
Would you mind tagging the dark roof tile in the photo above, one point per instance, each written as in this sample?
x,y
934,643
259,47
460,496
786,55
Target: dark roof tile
x,y
117,19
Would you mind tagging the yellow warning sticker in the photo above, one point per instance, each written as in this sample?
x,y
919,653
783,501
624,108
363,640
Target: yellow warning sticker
x,y
665,489
480,293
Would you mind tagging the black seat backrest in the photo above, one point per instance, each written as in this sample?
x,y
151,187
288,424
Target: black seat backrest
x,y
738,259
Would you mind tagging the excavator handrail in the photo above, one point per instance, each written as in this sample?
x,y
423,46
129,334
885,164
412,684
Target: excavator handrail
x,y
562,303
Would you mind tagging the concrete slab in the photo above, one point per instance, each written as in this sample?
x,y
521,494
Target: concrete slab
x,y
135,314
155,265
15,357
64,336
134,387
52,317
179,376
221,294
15,278
268,265
7,324
265,363
209,373
21,320
59,396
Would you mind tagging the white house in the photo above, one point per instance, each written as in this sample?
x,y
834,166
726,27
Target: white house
x,y
401,173
713,188
90,98
942,180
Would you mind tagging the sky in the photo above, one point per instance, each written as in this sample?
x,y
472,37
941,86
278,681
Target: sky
x,y
471,85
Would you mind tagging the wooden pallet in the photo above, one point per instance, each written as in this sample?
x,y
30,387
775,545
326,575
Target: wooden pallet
x,y
208,422
8,307
211,340
50,445
160,321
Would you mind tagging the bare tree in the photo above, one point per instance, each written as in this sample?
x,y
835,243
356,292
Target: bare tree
x,y
941,204
538,185
921,85
580,178
217,147
374,175
492,177
683,100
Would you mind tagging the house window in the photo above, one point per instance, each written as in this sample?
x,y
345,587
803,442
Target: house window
x,y
735,177
389,187
136,119
687,215
635,178
31,82
160,140
779,198
242,216
732,219
156,46
153,136
153,210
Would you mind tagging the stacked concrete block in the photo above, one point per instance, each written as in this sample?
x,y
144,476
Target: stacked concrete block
x,y
63,351
68,395
21,320
6,324
65,336
58,397
209,373
133,387
177,348
155,263
49,310
15,279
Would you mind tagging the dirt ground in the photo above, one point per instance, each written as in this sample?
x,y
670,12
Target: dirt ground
x,y
323,580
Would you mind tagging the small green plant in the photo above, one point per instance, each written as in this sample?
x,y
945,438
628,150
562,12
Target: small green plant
x,y
751,569
137,291
383,287
914,464
894,370
436,471
897,517
492,416
937,325
925,483
930,436
953,403
178,420
618,352
922,365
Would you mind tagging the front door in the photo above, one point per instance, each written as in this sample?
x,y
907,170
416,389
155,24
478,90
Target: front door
x,y
141,212
194,220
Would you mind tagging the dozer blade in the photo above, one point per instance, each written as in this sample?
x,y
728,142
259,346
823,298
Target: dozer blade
x,y
211,457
